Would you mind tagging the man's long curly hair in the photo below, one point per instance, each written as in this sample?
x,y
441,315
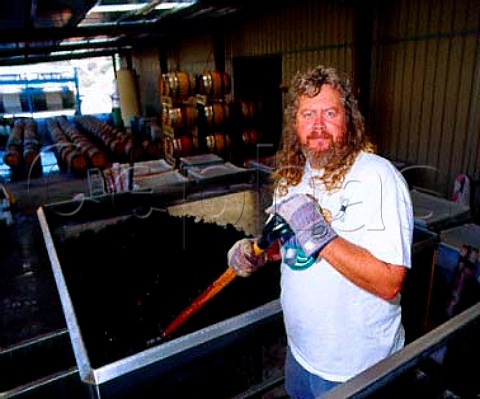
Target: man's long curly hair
x,y
290,160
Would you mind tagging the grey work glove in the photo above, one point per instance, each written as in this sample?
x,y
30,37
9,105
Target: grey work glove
x,y
304,216
242,259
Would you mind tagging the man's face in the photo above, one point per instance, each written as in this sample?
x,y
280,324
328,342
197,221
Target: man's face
x,y
321,125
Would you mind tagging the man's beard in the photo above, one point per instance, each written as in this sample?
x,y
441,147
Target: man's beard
x,y
318,159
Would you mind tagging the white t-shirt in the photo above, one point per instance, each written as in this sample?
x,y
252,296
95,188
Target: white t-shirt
x,y
336,329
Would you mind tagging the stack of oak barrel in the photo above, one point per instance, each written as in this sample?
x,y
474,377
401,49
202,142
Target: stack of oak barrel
x,y
75,151
86,141
124,145
23,148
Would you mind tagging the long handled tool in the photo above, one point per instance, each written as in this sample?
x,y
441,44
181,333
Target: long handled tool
x,y
275,227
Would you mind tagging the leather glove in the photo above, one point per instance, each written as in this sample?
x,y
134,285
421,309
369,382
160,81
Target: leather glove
x,y
304,216
242,259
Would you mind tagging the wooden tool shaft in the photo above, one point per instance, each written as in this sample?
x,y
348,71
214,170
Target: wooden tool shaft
x,y
204,297
212,290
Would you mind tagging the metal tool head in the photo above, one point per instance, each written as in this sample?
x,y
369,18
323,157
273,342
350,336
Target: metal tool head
x,y
275,228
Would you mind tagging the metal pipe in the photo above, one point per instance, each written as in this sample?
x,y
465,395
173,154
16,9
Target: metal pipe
x,y
141,11
66,377
88,30
51,48
25,59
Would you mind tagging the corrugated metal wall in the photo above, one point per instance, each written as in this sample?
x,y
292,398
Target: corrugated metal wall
x,y
425,87
193,54
304,34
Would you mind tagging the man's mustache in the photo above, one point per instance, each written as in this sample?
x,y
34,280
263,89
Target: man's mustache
x,y
315,134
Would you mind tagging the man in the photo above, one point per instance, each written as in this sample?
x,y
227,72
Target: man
x,y
351,215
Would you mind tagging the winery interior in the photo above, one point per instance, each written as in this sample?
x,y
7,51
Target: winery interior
x,y
137,142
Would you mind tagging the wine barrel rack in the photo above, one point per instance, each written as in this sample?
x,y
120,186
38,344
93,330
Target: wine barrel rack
x,y
205,114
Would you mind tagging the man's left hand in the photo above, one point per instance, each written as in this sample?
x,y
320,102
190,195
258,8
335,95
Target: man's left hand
x,y
304,216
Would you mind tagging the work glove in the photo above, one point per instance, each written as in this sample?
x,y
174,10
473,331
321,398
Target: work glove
x,y
304,216
242,259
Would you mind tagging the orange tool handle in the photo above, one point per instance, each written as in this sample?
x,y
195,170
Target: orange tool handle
x,y
212,290
257,250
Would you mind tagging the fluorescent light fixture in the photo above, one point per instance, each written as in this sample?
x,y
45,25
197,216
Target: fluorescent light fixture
x,y
134,7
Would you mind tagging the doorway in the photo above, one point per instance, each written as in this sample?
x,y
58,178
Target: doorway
x,y
258,79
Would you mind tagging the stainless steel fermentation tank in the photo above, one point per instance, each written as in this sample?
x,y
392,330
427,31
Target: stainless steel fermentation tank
x,y
126,265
